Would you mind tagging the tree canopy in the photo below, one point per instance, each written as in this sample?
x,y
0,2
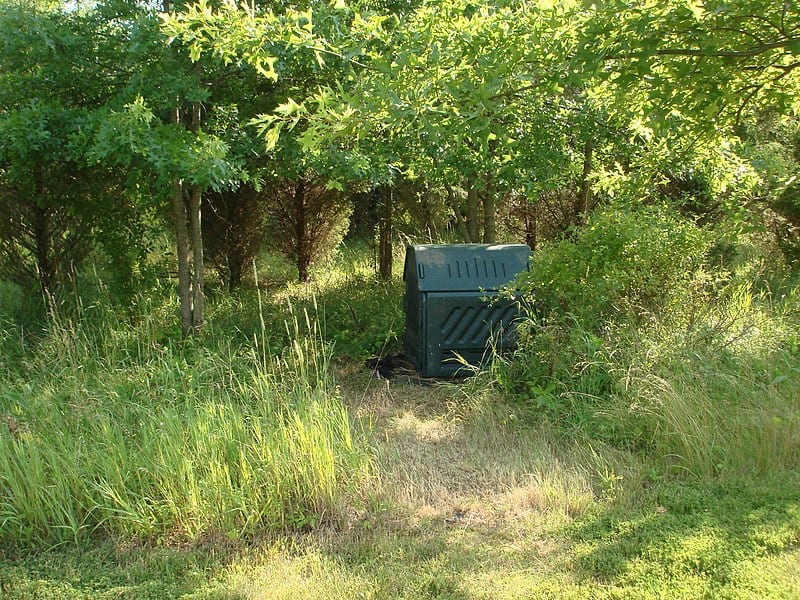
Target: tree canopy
x,y
118,116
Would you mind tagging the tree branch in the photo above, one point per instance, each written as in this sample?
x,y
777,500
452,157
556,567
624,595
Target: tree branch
x,y
704,53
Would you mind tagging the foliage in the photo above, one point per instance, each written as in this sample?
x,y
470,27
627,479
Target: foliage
x,y
486,101
52,91
626,262
513,97
697,66
706,380
771,146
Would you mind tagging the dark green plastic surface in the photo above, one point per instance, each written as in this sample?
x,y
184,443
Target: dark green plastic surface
x,y
451,303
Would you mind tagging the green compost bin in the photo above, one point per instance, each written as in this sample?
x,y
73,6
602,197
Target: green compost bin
x,y
452,305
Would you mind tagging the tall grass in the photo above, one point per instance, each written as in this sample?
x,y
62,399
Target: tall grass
x,y
709,391
648,337
721,396
650,345
109,429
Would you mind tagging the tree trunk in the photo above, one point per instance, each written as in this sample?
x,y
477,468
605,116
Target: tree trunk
x,y
195,221
472,215
178,205
179,218
235,273
303,251
489,216
427,211
531,227
196,236
385,234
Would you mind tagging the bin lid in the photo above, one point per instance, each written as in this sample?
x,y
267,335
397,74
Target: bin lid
x,y
463,267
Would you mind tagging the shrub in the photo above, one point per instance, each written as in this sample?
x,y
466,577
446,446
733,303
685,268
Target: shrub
x,y
633,343
234,227
307,220
622,263
715,396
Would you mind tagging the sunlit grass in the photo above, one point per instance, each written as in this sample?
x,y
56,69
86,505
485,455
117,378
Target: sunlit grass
x,y
140,438
721,397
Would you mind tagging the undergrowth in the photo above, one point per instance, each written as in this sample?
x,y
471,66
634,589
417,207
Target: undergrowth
x,y
110,428
701,374
643,449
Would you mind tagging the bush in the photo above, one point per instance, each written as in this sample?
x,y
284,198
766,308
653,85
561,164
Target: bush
x,y
622,263
634,344
714,396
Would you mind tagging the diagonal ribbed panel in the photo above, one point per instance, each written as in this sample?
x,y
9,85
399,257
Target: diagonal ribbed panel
x,y
453,320
471,325
477,326
458,333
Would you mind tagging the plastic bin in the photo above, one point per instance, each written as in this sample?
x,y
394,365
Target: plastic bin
x,y
452,306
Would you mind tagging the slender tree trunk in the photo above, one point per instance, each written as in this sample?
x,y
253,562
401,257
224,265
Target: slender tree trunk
x,y
195,221
303,251
531,227
179,221
385,256
472,214
235,268
430,221
489,216
178,205
186,214
178,208
196,236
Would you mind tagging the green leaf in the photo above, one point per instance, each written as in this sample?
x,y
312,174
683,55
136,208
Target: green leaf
x,y
272,135
269,71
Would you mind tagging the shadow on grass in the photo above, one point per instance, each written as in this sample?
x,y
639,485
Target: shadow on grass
x,y
696,540
361,316
686,541
104,571
729,540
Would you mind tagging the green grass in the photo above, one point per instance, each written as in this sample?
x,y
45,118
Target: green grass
x,y
262,461
116,433
697,540
709,391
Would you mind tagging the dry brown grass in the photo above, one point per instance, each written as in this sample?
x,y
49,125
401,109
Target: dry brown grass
x,y
452,452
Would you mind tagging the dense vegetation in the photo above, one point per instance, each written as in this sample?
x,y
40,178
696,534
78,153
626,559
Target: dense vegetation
x,y
201,211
